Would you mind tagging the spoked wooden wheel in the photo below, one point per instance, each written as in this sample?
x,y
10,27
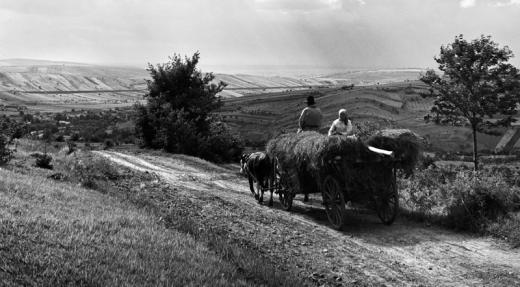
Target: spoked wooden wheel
x,y
285,194
387,205
334,202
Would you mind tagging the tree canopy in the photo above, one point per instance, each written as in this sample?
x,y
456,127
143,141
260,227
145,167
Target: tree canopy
x,y
477,84
178,84
179,113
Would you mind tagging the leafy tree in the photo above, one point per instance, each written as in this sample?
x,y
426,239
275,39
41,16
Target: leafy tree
x,y
476,84
5,152
178,114
9,131
178,84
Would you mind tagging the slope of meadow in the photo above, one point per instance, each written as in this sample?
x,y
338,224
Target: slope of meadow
x,y
56,232
60,234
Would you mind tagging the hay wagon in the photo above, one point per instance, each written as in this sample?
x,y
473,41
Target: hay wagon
x,y
369,177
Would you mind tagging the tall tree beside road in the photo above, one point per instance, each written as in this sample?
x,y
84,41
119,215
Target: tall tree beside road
x,y
476,84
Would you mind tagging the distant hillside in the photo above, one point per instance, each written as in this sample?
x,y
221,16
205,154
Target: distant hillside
x,y
54,85
244,84
51,86
34,75
260,117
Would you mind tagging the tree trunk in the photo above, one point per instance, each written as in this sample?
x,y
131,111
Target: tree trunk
x,y
475,151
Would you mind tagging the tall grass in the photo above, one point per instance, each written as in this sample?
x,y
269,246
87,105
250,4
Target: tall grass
x,y
484,201
155,197
58,234
68,233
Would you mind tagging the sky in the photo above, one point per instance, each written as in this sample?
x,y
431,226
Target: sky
x,y
232,33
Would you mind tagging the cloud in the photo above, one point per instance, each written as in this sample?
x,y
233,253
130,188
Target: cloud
x,y
467,3
297,6
250,32
505,3
305,5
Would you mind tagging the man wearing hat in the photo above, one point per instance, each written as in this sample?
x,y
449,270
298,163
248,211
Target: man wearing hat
x,y
311,117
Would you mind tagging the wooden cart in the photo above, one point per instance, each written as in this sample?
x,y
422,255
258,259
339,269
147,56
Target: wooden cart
x,y
342,181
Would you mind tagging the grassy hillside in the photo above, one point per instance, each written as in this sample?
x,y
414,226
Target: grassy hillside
x,y
260,117
56,86
56,232
59,234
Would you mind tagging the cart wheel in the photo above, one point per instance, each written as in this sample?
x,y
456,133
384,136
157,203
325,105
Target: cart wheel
x,y
334,202
387,206
285,194
286,199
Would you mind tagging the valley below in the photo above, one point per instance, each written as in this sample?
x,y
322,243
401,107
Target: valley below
x,y
256,106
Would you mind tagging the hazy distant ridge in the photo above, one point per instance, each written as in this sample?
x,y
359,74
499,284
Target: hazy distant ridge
x,y
50,76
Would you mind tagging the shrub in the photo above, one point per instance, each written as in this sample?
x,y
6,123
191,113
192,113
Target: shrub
x,y
74,137
108,144
478,200
43,160
507,228
6,154
459,199
72,146
221,144
91,171
426,162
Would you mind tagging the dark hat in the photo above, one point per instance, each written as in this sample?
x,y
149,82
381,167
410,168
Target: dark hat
x,y
310,100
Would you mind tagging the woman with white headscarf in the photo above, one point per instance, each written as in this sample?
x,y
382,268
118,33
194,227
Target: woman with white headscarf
x,y
341,125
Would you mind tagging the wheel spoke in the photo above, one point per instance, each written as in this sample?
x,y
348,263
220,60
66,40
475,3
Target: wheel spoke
x,y
333,201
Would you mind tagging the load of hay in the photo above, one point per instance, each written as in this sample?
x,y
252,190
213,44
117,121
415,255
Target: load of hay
x,y
310,152
311,148
404,143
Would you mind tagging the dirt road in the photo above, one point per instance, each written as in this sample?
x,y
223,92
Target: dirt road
x,y
366,253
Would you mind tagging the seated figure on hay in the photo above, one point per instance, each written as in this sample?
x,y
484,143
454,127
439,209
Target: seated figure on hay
x,y
342,125
311,117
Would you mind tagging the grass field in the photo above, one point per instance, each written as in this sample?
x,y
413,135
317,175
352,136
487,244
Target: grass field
x,y
57,233
60,234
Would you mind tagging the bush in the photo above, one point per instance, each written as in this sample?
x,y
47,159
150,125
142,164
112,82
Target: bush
x,y
507,228
108,144
478,200
74,137
72,147
6,154
221,145
459,199
91,171
43,160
